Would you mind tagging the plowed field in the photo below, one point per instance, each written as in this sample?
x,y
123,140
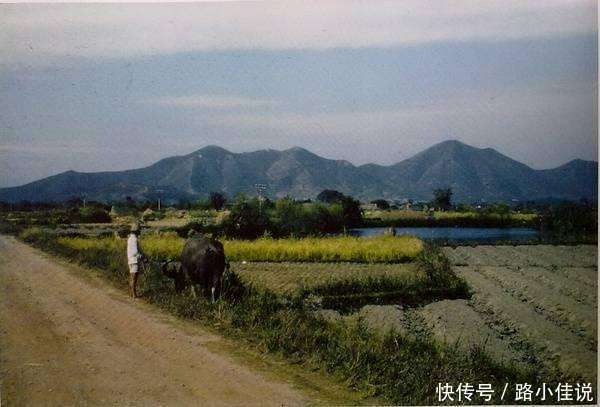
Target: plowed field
x,y
536,303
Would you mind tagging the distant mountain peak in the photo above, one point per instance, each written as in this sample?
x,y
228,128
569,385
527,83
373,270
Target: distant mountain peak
x,y
578,162
213,149
297,149
474,174
451,142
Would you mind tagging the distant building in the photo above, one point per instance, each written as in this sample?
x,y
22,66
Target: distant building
x,y
368,207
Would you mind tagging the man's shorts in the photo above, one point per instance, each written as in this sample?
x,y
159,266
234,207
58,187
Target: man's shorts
x,y
133,268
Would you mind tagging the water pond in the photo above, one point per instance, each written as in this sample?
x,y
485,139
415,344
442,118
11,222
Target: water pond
x,y
457,233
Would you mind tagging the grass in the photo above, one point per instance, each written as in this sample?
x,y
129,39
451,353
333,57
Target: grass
x,y
105,254
411,214
368,363
395,214
379,249
413,218
347,286
374,365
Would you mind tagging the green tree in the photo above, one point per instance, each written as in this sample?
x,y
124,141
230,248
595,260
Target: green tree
x,y
330,196
442,198
323,219
570,218
501,209
217,200
351,211
289,217
246,219
203,204
91,214
465,208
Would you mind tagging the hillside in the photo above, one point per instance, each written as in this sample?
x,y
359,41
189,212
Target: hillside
x,y
472,173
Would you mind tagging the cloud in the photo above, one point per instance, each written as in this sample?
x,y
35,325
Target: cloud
x,y
511,103
211,102
51,148
540,124
38,34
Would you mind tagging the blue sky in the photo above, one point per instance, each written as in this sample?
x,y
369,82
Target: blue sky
x,y
110,87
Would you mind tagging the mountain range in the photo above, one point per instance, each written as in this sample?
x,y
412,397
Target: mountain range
x,y
474,175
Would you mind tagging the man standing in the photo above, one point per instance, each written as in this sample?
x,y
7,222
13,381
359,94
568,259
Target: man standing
x,y
133,257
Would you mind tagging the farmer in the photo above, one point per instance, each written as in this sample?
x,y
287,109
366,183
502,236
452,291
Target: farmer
x,y
134,257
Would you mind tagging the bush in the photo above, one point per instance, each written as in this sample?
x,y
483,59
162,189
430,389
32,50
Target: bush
x,y
93,215
217,200
291,218
352,212
485,218
432,261
326,219
570,218
33,235
442,198
247,219
330,196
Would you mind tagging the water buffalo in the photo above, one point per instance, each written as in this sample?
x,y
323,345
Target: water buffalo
x,y
202,263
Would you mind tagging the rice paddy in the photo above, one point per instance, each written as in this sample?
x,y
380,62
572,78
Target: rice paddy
x,y
288,278
380,249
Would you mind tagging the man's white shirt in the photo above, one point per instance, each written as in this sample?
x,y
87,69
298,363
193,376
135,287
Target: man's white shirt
x,y
132,249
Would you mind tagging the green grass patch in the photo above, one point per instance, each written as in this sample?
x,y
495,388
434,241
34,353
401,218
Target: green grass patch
x,y
410,218
291,278
348,286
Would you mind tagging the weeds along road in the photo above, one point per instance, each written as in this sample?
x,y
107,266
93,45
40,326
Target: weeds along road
x,y
68,340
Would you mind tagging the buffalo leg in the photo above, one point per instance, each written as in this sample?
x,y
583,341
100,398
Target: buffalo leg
x,y
215,289
179,283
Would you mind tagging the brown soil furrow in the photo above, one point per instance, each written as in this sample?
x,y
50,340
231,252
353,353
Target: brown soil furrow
x,y
472,255
495,257
578,318
455,256
555,345
456,322
562,256
515,256
582,275
584,292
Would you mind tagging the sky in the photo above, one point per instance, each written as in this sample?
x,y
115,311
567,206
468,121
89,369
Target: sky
x,y
97,87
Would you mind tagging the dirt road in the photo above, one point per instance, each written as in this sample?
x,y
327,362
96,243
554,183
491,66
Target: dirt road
x,y
68,340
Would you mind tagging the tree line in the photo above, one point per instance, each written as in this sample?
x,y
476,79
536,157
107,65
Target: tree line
x,y
331,212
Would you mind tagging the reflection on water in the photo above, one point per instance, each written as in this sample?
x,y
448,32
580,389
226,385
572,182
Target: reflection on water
x,y
457,233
